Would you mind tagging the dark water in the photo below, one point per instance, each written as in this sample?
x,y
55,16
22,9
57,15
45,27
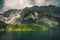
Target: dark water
x,y
32,35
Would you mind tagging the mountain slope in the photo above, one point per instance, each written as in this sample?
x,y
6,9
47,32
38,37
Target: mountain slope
x,y
46,14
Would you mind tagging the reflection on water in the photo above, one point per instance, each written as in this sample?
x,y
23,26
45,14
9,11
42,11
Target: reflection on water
x,y
32,35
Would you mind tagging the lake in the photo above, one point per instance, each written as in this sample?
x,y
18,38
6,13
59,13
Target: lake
x,y
30,35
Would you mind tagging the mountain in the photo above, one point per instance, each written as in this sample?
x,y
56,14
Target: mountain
x,y
10,16
45,14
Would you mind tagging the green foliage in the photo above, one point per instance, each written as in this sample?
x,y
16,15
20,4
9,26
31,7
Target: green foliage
x,y
27,27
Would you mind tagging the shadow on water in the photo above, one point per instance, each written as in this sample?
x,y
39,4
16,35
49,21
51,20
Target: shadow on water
x,y
2,33
32,35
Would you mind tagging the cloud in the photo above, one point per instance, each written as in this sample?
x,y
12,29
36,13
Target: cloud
x,y
16,4
20,4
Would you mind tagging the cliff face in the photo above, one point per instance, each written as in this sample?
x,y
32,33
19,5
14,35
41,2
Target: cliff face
x,y
46,14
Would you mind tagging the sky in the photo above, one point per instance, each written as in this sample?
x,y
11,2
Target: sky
x,y
20,4
1,5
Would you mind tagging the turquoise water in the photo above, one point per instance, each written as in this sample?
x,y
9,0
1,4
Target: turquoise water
x,y
30,35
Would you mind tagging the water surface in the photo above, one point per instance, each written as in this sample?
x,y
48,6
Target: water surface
x,y
30,35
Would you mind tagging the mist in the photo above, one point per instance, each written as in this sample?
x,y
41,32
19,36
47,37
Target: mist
x,y
20,4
